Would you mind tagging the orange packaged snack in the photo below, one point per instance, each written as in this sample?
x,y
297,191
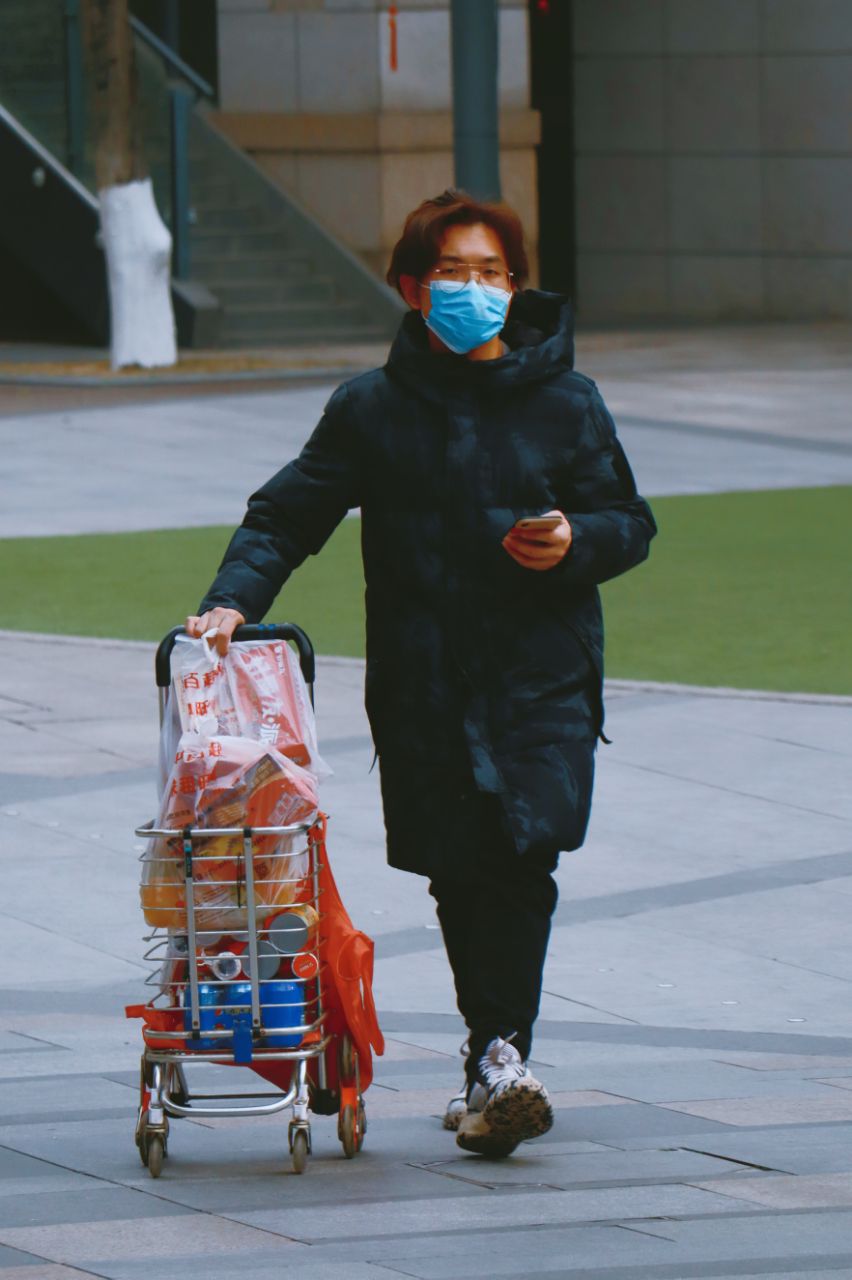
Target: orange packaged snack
x,y
227,782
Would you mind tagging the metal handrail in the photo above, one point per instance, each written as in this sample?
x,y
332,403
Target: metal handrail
x,y
185,87
169,56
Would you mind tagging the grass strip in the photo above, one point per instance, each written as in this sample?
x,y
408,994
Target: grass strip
x,y
744,589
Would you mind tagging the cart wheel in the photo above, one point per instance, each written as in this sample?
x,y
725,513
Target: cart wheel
x,y
346,1060
142,1138
156,1151
349,1132
299,1151
362,1122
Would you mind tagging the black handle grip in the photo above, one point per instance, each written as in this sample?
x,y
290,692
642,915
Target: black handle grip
x,y
251,631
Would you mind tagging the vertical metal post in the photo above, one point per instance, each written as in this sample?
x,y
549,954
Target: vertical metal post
x,y
251,905
189,886
314,847
74,94
180,106
475,102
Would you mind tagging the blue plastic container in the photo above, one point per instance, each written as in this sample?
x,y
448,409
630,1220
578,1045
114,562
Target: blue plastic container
x,y
227,1007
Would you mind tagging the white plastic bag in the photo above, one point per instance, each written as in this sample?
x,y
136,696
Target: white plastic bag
x,y
256,691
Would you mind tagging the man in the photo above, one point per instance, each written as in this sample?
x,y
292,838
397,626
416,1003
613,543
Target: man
x,y
494,498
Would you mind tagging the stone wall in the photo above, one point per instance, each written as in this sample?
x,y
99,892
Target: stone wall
x,y
307,87
714,158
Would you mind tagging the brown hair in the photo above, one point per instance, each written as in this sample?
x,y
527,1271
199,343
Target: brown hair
x,y
418,248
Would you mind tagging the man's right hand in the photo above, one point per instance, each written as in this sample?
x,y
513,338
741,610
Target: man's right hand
x,y
225,622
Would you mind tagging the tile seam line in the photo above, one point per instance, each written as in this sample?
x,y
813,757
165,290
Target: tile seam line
x,y
143,1190
733,791
615,683
716,1214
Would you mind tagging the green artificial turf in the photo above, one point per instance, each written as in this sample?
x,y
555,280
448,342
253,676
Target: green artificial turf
x,y
743,589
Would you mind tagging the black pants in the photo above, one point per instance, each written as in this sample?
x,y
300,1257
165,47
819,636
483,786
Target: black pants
x,y
495,908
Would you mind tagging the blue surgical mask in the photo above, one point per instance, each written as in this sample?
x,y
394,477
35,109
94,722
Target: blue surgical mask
x,y
466,314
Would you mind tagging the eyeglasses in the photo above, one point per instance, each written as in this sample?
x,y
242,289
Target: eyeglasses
x,y
490,273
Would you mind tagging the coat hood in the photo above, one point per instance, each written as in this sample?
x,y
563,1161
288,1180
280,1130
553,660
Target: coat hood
x,y
539,333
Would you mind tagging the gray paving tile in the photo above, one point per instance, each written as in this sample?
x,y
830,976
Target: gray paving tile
x,y
257,1265
796,1149
513,1252
769,1270
806,1191
661,1083
768,1111
474,1212
554,1166
17,1258
101,1203
789,1236
622,1124
17,1042
14,1166
93,1243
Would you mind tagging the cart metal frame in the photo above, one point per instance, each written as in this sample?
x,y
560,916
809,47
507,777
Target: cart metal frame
x,y
164,1090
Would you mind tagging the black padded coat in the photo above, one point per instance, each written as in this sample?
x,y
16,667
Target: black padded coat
x,y
481,674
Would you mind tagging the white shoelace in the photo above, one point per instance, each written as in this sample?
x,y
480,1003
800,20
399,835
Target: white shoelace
x,y
501,1065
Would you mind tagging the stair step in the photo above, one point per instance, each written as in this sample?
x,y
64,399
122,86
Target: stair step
x,y
218,240
259,321
47,95
273,292
216,190
245,218
214,267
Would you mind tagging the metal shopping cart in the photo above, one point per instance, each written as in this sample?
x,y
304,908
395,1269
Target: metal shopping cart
x,y
284,990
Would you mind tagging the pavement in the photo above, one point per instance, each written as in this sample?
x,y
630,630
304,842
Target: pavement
x,y
696,1030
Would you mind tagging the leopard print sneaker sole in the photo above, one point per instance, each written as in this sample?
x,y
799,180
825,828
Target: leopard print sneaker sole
x,y
513,1115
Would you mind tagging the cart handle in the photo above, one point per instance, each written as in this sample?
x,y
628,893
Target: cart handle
x,y
251,631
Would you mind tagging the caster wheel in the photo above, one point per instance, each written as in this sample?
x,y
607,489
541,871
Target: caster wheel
x,y
346,1060
156,1152
348,1131
362,1122
142,1138
299,1151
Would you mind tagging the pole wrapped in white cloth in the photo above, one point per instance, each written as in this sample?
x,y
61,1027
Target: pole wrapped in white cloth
x,y
138,249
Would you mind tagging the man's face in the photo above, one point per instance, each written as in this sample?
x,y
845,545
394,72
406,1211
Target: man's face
x,y
477,245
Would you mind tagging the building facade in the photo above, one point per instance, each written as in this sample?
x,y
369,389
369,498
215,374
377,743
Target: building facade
x,y
713,158
706,144
348,106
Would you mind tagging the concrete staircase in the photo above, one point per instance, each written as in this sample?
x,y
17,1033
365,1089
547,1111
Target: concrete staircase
x,y
32,69
272,287
279,278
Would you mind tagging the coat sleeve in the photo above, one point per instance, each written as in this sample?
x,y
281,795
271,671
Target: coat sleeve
x,y
290,517
612,525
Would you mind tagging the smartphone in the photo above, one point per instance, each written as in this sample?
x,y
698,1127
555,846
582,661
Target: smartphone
x,y
539,522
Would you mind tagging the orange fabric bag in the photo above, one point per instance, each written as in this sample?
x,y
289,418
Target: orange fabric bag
x,y
346,958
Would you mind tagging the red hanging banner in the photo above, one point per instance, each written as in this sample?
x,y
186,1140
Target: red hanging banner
x,y
392,12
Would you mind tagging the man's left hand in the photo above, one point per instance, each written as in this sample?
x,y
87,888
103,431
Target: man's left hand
x,y
539,549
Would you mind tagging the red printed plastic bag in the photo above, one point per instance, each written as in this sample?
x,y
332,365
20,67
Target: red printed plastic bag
x,y
226,781
271,701
256,691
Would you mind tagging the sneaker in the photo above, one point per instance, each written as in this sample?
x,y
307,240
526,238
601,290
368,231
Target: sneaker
x,y
516,1105
469,1099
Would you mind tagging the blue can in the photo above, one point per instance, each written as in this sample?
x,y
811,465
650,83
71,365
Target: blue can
x,y
227,1007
